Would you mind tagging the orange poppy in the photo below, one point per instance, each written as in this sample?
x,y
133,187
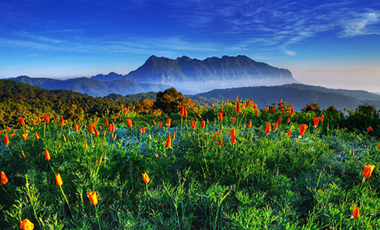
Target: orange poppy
x,y
192,125
266,110
355,212
185,112
12,135
280,102
22,153
62,121
288,119
114,119
289,133
91,127
22,122
37,137
76,127
291,111
146,178
4,178
238,109
250,124
159,124
279,120
100,160
248,102
93,198
26,225
368,170
96,132
173,135
119,115
237,97
168,122
369,129
233,138
182,110
168,142
220,116
233,120
257,112
267,129
203,124
345,108
254,106
282,110
6,139
302,129
58,180
311,106
221,142
47,119
316,120
34,122
24,136
129,122
47,155
275,127
322,117
107,122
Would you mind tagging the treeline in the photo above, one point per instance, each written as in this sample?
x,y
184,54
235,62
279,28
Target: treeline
x,y
30,102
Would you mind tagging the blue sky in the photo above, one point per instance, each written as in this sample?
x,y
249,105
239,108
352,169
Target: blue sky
x,y
336,45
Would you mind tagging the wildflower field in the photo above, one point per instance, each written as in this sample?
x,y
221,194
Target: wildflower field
x,y
228,166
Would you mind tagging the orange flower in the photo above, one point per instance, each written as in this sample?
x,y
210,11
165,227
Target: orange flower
x,y
282,110
6,139
212,104
220,116
311,106
182,110
368,170
24,136
280,102
233,120
107,122
37,137
238,109
12,135
22,153
279,120
322,117
302,129
355,212
114,119
47,155
316,120
203,124
119,115
146,178
93,198
345,108
237,97
254,106
129,122
267,129
96,132
58,180
250,124
288,119
291,111
62,121
154,122
192,125
173,135
76,127
26,225
168,142
289,133
185,112
369,128
275,127
34,122
113,127
233,138
91,125
4,178
100,160
266,110
22,122
168,122
46,117
248,102
159,124
221,142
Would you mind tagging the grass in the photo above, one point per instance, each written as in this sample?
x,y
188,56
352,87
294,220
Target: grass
x,y
261,182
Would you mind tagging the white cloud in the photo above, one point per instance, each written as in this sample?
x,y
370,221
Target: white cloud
x,y
360,25
290,53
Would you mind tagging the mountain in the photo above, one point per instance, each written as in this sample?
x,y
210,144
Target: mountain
x,y
91,86
297,94
108,77
193,75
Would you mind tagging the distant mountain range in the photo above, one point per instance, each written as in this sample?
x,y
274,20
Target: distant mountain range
x,y
297,94
185,74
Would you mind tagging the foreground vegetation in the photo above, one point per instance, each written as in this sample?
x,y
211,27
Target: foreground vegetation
x,y
224,167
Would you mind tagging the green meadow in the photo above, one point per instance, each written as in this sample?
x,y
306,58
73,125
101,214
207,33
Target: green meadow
x,y
203,170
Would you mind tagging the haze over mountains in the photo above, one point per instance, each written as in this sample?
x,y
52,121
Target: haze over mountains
x,y
209,80
187,75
